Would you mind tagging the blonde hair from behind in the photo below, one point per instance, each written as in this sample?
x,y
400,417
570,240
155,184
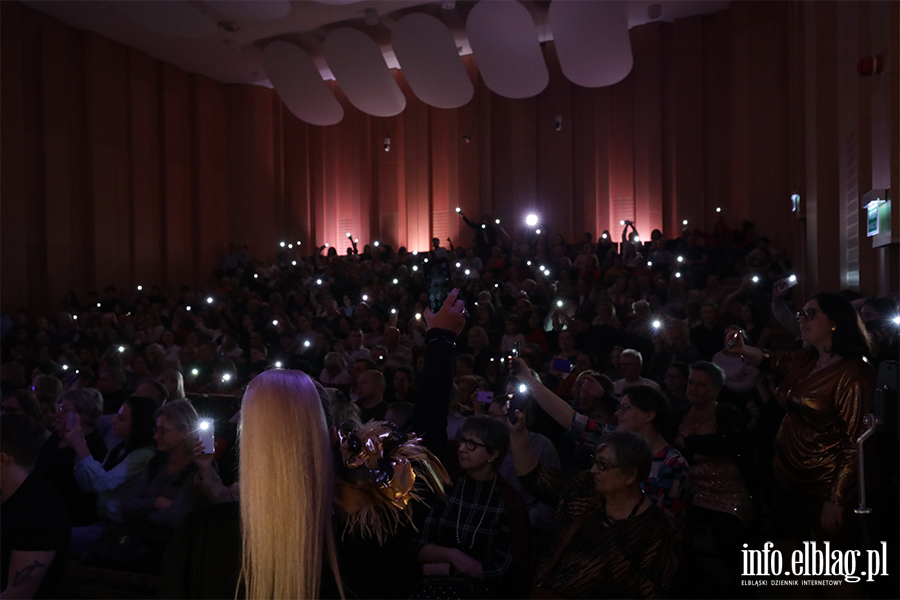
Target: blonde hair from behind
x,y
287,488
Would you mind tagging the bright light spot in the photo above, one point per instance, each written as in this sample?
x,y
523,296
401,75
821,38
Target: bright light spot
x,y
543,268
66,367
528,263
121,349
522,388
204,425
299,242
396,282
426,260
792,278
365,297
256,276
209,300
637,239
684,222
188,308
278,364
656,324
140,287
415,268
226,377
98,305
559,303
718,209
318,282
306,343
502,360
604,236
356,241
418,316
483,226
275,322
376,244
755,279
538,232
896,320
195,372
458,209
458,265
497,221
649,263
531,220
290,245
393,311
622,222
415,252
327,244
294,263
677,274
75,317
348,234
680,259
467,271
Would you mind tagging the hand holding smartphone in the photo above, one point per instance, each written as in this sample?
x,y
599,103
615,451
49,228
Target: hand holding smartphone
x,y
208,436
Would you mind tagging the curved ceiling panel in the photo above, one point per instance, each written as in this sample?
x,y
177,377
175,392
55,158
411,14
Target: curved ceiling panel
x,y
359,68
430,61
505,45
592,41
251,10
174,19
299,84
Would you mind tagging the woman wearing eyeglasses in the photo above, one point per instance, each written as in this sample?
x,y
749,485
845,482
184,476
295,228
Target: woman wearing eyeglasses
x,y
468,545
826,390
609,539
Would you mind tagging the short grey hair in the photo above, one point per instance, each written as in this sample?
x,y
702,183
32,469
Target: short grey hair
x,y
715,372
633,352
632,451
88,403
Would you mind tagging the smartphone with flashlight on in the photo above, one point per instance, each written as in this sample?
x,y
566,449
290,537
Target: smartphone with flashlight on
x,y
514,353
516,402
786,284
207,436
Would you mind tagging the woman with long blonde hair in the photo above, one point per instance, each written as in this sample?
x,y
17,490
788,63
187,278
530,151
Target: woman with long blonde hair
x,y
287,487
272,542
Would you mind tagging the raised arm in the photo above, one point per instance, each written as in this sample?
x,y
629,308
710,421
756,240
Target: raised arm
x,y
555,406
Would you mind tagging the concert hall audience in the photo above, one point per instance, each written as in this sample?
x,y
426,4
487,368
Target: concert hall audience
x,y
609,335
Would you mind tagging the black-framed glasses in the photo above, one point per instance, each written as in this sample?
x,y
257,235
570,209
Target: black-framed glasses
x,y
604,466
809,314
472,444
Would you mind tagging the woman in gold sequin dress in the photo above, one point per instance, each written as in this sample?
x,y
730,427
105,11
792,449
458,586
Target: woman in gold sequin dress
x,y
826,389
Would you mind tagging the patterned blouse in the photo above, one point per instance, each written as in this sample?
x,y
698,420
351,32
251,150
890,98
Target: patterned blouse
x,y
669,482
629,558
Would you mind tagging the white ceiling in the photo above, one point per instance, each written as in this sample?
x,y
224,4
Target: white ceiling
x,y
236,57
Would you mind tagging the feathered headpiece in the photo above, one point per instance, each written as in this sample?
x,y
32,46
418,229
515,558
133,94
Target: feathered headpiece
x,y
378,480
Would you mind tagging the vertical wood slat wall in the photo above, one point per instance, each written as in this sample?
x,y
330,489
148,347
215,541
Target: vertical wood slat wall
x,y
118,169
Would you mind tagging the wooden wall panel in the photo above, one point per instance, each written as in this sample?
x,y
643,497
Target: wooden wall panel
x,y
119,169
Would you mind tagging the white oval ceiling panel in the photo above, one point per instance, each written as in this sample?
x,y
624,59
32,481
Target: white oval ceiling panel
x,y
430,61
505,45
359,67
175,19
251,10
299,84
592,41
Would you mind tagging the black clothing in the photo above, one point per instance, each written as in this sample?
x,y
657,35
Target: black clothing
x,y
708,341
203,558
377,412
57,466
112,401
34,519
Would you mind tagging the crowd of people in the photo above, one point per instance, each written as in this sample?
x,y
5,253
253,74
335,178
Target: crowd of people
x,y
520,416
